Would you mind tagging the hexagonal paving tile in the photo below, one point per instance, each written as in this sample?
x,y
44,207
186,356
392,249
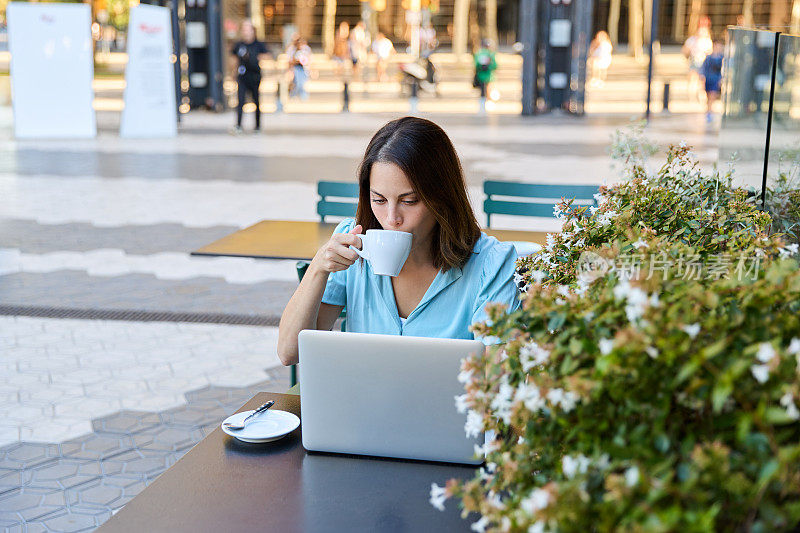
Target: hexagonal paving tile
x,y
144,463
97,446
99,494
27,455
71,522
167,438
192,416
31,503
126,422
64,473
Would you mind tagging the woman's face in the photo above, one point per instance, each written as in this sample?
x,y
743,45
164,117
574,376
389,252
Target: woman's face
x,y
396,205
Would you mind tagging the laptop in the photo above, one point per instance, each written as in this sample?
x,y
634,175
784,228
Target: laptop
x,y
384,395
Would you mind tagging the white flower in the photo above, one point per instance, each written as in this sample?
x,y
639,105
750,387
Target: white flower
x,y
474,424
794,347
760,372
555,395
787,401
683,144
606,345
593,210
632,476
600,199
605,218
651,351
465,376
563,290
569,401
550,242
495,501
462,403
536,501
570,466
438,496
537,527
532,355
588,317
788,250
765,352
691,329
580,242
530,396
480,525
538,276
640,244
502,401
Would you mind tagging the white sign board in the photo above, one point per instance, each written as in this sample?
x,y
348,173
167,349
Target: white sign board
x,y
149,77
51,70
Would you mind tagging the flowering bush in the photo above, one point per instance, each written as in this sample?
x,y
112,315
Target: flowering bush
x,y
657,389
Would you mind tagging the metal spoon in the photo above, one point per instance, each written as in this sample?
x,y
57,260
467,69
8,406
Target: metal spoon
x,y
228,425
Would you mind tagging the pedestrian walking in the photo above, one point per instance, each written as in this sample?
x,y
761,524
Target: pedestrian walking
x,y
485,65
299,57
600,53
341,47
711,71
384,50
695,50
359,48
248,51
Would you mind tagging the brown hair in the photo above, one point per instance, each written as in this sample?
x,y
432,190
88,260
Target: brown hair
x,y
424,153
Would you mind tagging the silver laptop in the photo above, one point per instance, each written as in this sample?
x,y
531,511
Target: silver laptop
x,y
384,395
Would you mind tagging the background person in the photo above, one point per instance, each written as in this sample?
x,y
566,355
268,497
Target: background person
x,y
359,48
298,56
341,47
384,50
711,71
485,65
249,51
695,50
409,180
600,54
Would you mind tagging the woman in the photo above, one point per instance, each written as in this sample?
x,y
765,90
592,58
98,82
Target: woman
x,y
299,57
711,71
409,180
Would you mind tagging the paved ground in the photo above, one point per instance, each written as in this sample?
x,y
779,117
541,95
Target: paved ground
x,y
93,409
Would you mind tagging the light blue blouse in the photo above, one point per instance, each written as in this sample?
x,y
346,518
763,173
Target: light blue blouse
x,y
455,299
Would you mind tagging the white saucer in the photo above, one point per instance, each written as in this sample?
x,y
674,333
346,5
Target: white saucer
x,y
264,427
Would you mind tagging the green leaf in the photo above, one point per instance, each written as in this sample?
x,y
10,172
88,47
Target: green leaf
x,y
767,471
777,415
662,443
720,394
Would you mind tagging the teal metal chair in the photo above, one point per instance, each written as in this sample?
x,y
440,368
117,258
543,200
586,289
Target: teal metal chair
x,y
514,198
336,199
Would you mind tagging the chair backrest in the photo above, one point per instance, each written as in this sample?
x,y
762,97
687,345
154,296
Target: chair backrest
x,y
545,195
345,199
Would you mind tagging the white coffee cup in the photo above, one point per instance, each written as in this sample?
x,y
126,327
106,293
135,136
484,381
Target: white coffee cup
x,y
386,250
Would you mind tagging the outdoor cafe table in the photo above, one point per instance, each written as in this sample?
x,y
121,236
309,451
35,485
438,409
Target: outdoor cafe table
x,y
292,239
223,485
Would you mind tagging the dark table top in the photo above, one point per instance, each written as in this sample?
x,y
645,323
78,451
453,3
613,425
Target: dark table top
x,y
224,485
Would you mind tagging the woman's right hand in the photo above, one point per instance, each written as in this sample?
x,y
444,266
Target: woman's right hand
x,y
336,255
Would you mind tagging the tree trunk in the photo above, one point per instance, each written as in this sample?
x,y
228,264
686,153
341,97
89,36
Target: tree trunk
x,y
647,20
329,26
635,36
491,20
460,21
613,21
694,16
